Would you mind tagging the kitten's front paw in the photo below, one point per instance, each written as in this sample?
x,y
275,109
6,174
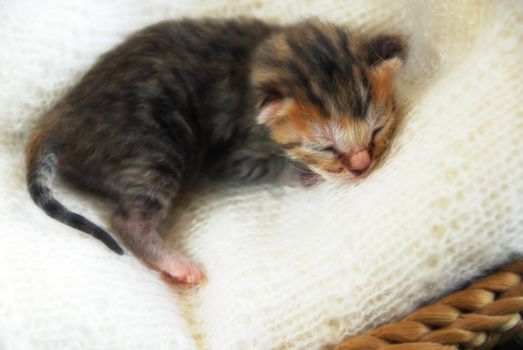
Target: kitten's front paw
x,y
182,270
309,179
298,178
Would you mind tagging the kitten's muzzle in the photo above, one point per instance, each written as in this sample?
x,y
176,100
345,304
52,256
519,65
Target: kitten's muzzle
x,y
358,161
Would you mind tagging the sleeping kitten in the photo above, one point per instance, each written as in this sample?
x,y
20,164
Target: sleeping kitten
x,y
234,100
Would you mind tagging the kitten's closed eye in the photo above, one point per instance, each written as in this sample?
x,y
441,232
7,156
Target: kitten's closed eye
x,y
330,149
376,131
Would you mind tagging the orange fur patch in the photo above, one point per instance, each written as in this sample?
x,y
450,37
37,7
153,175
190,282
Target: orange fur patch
x,y
293,125
380,82
301,117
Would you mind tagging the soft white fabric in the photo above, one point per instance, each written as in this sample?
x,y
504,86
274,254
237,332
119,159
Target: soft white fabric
x,y
287,268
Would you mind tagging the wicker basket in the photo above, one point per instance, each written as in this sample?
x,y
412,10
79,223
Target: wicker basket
x,y
484,314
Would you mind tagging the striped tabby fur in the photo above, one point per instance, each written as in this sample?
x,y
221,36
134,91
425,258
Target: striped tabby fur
x,y
233,100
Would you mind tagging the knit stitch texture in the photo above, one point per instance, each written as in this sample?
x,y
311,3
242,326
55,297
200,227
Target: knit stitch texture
x,y
287,267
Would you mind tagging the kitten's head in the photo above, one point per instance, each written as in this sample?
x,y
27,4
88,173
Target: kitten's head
x,y
326,97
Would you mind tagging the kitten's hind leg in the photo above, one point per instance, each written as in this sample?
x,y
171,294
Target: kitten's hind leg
x,y
136,221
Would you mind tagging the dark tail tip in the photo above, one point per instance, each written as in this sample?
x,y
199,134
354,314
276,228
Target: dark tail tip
x,y
114,247
41,168
85,225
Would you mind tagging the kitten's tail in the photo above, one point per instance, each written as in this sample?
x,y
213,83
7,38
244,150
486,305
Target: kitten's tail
x,y
41,169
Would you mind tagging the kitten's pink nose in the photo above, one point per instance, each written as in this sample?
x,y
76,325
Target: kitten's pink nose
x,y
359,160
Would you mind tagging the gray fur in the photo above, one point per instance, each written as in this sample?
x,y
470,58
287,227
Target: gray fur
x,y
171,104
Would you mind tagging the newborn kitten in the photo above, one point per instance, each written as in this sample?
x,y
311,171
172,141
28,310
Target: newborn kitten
x,y
234,100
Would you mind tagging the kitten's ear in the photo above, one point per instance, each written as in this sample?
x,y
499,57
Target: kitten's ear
x,y
386,53
270,110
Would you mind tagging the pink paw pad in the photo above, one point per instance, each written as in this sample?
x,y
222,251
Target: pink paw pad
x,y
182,271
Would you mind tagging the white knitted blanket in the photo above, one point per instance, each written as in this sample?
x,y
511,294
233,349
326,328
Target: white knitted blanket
x,y
287,268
